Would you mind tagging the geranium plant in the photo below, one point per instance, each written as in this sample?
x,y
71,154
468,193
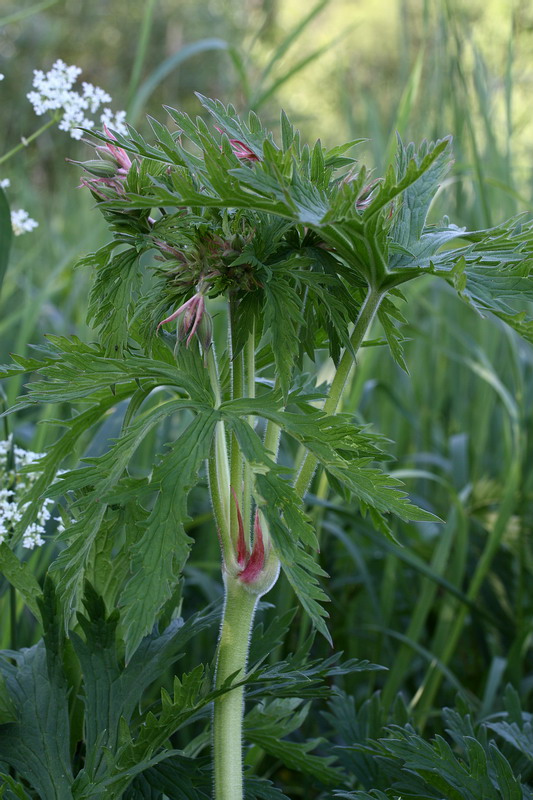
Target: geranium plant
x,y
291,253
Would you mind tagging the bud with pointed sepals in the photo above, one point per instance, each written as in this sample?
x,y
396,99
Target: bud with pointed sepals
x,y
115,154
109,171
257,570
241,149
192,318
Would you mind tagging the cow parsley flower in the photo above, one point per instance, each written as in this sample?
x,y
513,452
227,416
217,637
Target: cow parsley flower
x,y
114,120
55,91
13,486
21,222
5,183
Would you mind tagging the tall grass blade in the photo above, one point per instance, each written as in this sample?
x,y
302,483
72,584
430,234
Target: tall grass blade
x,y
24,13
290,39
406,106
142,49
166,68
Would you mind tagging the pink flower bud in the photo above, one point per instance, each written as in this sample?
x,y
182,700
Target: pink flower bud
x,y
256,561
189,315
241,149
256,570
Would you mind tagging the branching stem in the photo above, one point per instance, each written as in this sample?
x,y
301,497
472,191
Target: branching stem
x,y
26,140
364,320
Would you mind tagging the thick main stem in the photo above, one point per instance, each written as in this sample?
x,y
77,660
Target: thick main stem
x,y
240,603
239,610
236,459
364,320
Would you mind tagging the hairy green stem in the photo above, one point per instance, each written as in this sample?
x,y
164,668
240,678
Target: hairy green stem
x,y
272,435
239,606
239,602
364,320
237,390
218,466
249,363
239,610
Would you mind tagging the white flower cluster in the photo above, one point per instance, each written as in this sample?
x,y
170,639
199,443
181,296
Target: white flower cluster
x,y
21,222
13,486
53,91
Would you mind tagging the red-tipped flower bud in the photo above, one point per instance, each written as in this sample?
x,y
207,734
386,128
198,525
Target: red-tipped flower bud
x,y
192,317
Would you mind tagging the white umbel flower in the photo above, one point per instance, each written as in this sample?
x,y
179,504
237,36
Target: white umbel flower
x,y
114,121
21,222
5,183
54,91
13,486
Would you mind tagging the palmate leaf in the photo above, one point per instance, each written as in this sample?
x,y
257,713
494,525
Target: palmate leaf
x,y
328,305
491,271
104,472
299,184
376,230
39,692
77,370
96,486
142,754
191,693
345,452
410,219
19,575
157,545
424,769
303,678
269,722
283,317
64,447
108,565
7,707
71,562
351,725
111,694
261,789
176,778
112,689
110,301
161,552
391,318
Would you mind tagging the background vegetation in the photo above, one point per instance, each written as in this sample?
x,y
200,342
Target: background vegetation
x,y
446,620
